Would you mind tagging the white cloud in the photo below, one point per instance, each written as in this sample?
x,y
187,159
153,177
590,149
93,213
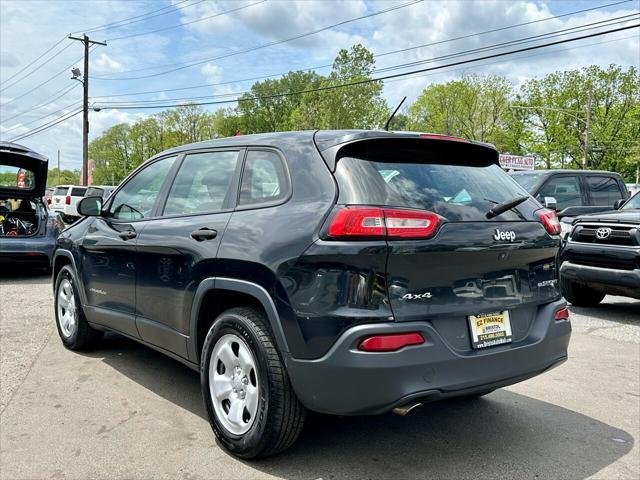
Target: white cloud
x,y
213,73
105,64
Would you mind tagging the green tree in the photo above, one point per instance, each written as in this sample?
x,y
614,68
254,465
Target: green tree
x,y
474,107
66,177
334,107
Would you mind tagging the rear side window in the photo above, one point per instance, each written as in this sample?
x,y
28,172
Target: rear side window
x,y
264,179
565,189
202,184
61,191
78,191
456,192
93,192
603,191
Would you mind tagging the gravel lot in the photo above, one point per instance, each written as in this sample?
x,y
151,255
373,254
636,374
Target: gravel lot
x,y
125,411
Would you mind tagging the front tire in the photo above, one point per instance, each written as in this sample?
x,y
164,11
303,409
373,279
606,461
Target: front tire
x,y
73,328
580,295
251,405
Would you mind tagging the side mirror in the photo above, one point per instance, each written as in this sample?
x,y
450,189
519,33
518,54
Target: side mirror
x,y
618,204
550,203
90,206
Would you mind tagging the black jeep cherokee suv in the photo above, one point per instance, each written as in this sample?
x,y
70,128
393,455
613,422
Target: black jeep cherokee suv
x,y
344,272
602,256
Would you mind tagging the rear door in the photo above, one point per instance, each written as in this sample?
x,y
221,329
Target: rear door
x,y
471,265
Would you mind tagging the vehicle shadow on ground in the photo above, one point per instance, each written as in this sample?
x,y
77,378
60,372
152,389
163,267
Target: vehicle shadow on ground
x,y
9,273
627,313
501,435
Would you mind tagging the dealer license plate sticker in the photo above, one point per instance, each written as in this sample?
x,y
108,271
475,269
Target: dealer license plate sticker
x,y
490,329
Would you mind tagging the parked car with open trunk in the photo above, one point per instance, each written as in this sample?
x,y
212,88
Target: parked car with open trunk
x,y
28,229
344,272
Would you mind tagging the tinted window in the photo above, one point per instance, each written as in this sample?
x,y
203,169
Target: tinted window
x,y
264,178
136,199
457,192
604,191
633,204
527,180
93,192
202,184
16,177
61,190
565,189
78,191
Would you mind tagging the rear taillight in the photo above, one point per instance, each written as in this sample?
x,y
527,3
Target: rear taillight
x,y
367,222
390,343
67,200
562,314
550,220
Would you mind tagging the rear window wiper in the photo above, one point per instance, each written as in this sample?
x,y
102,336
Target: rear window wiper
x,y
504,206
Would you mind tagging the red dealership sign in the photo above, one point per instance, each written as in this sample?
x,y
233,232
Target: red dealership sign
x,y
516,162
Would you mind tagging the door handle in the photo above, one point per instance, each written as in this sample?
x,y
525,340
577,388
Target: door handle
x,y
128,235
204,234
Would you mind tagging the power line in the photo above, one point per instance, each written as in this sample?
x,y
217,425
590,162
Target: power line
x,y
142,17
385,77
15,82
399,78
47,126
48,101
201,19
34,61
204,60
63,109
577,29
270,44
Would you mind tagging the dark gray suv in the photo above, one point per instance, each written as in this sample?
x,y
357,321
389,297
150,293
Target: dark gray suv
x,y
344,272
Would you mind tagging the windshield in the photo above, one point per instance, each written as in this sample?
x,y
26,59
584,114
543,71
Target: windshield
x,y
16,177
527,180
633,203
456,192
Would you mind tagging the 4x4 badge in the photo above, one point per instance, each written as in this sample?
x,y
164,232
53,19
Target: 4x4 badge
x,y
416,296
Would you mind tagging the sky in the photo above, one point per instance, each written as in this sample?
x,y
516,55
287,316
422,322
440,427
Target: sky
x,y
214,36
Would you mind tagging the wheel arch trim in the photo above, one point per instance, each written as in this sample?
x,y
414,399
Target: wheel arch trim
x,y
241,286
74,272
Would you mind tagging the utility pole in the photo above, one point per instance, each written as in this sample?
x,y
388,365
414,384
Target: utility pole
x,y
586,131
58,167
85,104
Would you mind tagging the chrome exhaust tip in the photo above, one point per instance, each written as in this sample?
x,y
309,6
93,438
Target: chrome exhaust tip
x,y
407,409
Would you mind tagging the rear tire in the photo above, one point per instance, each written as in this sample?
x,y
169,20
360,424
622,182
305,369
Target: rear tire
x,y
241,371
73,328
580,295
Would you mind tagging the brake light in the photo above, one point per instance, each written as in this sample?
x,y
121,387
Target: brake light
x,y
562,314
67,200
361,222
550,220
390,343
435,136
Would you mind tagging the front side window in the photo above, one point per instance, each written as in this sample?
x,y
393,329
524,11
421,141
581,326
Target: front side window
x,y
633,204
264,178
604,191
565,189
202,183
136,199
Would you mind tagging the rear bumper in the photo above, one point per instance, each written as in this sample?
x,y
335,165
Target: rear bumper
x,y
349,382
27,250
603,276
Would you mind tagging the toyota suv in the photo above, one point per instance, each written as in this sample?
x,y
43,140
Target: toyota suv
x,y
342,272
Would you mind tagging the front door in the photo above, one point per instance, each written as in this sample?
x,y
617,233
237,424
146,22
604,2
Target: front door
x,y
179,248
108,249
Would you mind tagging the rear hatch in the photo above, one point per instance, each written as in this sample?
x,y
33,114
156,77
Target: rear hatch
x,y
446,260
23,172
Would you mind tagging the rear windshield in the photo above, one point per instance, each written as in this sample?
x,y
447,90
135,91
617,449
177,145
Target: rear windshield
x,y
16,177
78,191
60,190
456,192
527,180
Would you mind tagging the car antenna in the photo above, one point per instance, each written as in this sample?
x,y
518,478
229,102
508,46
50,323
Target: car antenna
x,y
386,125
